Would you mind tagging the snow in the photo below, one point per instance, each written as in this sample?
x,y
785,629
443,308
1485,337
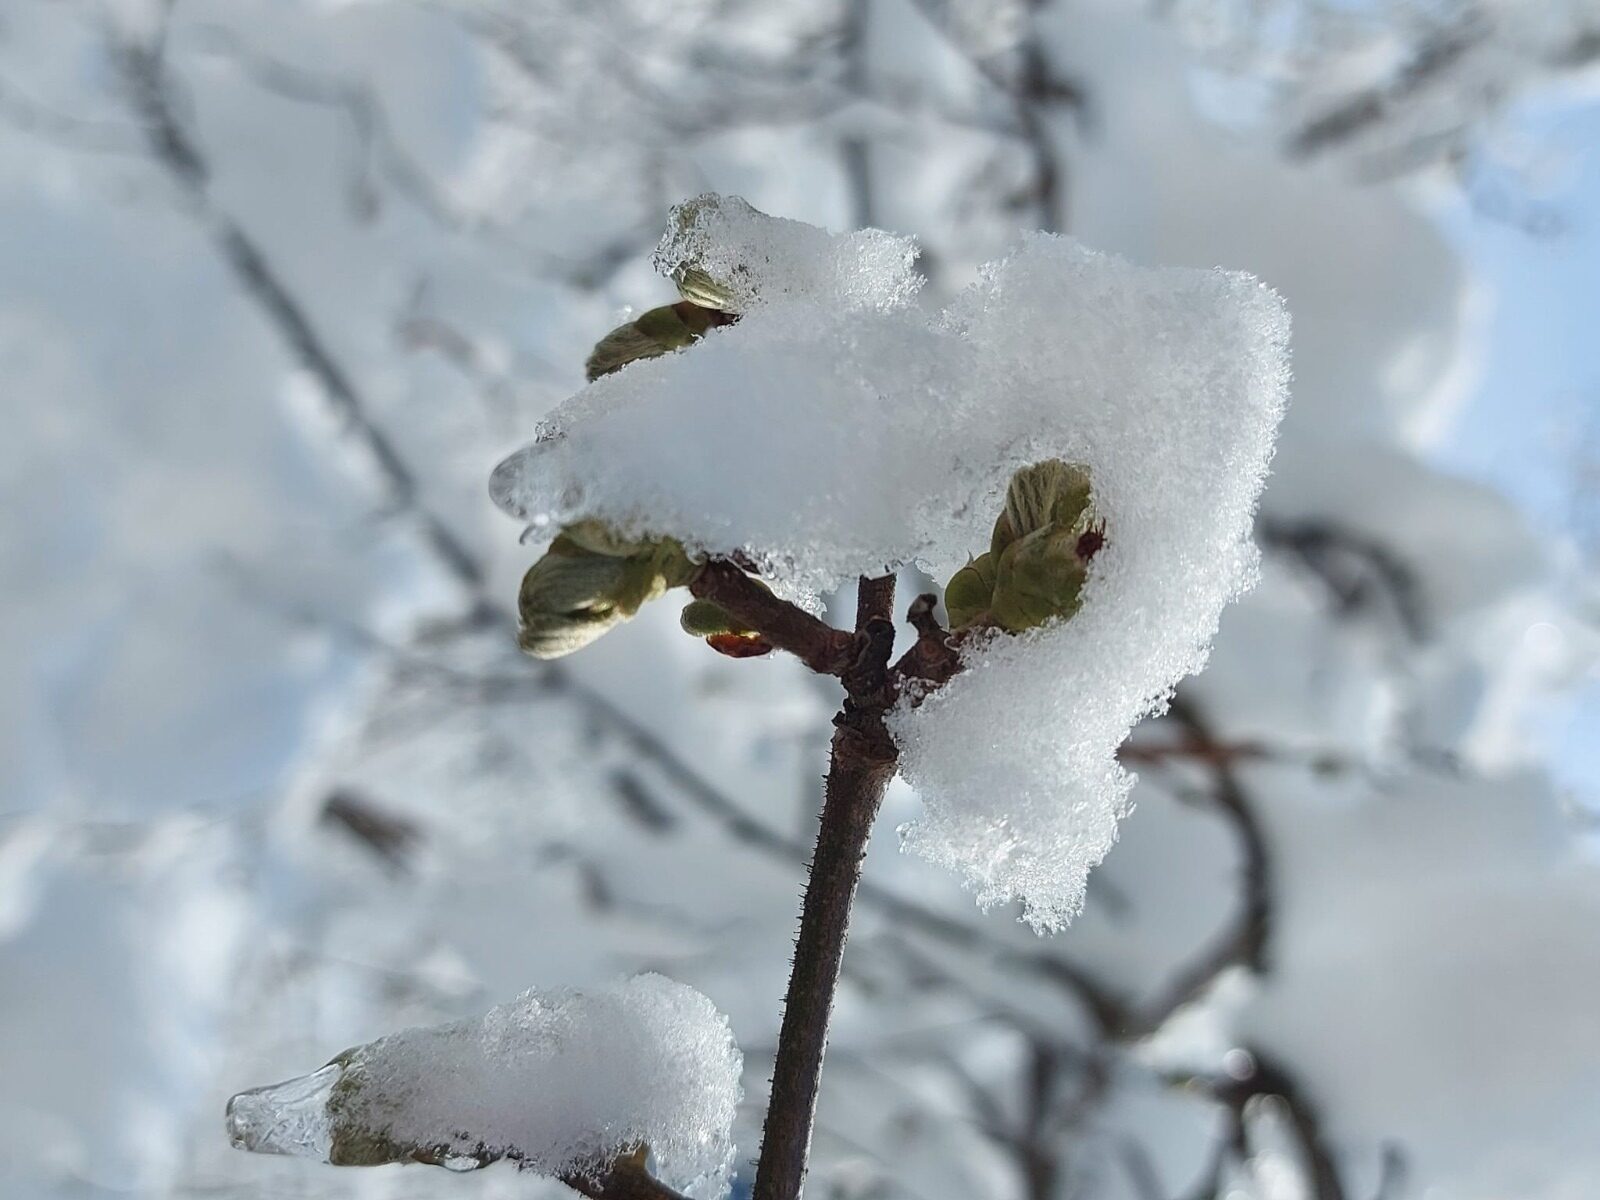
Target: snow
x,y
1443,954
759,259
561,1081
1438,994
827,444
145,687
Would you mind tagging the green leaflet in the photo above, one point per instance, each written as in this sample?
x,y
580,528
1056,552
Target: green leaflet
x,y
1039,553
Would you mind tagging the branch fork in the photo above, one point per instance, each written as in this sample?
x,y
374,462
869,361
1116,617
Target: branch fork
x,y
861,764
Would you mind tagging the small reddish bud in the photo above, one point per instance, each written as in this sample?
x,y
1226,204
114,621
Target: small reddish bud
x,y
739,645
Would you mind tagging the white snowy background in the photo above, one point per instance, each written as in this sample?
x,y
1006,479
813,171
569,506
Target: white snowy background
x,y
280,280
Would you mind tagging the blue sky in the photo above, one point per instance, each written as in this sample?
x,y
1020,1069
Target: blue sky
x,y
1535,416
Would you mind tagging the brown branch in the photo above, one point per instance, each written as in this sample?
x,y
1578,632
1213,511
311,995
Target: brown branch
x,y
866,678
1368,109
1107,1009
1039,1144
854,149
1206,753
1244,941
934,658
1304,1120
1031,88
826,650
874,600
1391,1173
149,90
862,763
391,837
1360,572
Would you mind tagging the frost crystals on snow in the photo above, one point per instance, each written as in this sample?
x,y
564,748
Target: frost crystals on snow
x,y
837,430
561,1082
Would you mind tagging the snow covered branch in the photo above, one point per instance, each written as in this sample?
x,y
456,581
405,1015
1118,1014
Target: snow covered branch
x,y
762,302
1050,557
580,1086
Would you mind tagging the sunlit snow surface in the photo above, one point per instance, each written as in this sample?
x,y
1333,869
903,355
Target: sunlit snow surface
x,y
561,1081
838,430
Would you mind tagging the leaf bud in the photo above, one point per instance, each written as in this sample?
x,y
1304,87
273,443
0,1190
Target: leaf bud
x,y
1039,553
577,591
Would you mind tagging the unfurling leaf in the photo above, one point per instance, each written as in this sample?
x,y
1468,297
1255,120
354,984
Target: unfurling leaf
x,y
970,591
1051,494
1039,553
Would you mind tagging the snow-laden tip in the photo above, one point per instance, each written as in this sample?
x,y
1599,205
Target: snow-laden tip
x,y
559,1081
740,258
825,439
285,1118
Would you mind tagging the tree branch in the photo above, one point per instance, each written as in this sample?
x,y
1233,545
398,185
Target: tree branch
x,y
862,763
1365,110
1031,88
1305,1125
934,658
826,650
1244,941
144,75
1359,571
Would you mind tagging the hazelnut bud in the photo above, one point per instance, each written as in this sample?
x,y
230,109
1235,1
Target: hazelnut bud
x,y
577,592
1039,553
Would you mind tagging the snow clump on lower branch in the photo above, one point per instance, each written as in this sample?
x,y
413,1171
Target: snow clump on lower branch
x,y
837,430
562,1082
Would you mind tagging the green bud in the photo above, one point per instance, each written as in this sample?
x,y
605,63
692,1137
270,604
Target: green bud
x,y
666,556
598,537
684,230
674,326
352,1143
1052,492
970,591
701,618
569,598
575,593
623,345
1040,578
1039,553
658,331
724,634
667,559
